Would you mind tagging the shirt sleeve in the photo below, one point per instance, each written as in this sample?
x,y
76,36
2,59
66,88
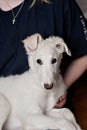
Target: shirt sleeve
x,y
75,26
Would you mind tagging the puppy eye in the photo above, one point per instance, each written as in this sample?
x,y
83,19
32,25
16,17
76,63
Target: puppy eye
x,y
39,61
53,61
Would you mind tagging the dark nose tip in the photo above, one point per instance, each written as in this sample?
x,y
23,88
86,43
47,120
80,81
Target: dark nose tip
x,y
48,86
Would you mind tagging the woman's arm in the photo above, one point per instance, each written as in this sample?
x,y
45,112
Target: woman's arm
x,y
75,70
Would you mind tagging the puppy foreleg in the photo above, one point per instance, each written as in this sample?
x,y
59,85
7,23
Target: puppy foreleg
x,y
70,116
64,113
46,122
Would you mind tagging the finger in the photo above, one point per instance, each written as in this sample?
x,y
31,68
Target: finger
x,y
60,104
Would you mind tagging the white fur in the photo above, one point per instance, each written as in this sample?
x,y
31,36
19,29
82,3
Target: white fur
x,y
25,103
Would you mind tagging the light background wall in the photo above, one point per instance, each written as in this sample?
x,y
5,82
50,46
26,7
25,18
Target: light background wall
x,y
83,6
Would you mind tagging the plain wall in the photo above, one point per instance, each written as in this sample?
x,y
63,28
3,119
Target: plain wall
x,y
83,6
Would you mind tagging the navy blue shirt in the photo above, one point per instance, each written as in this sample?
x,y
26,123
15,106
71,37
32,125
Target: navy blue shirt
x,y
59,17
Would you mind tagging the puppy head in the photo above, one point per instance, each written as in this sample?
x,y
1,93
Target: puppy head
x,y
45,57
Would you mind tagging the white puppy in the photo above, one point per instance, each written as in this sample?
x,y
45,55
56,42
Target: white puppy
x,y
27,100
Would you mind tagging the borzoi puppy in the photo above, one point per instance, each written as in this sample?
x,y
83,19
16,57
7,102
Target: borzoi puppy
x,y
27,100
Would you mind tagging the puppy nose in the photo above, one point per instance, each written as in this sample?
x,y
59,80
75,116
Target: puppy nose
x,y
48,86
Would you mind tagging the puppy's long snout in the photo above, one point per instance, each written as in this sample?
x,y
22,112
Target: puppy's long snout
x,y
48,86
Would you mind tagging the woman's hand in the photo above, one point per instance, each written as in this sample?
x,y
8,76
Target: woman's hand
x,y
61,102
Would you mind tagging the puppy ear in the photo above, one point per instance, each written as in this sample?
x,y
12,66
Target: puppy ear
x,y
62,47
66,49
31,42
